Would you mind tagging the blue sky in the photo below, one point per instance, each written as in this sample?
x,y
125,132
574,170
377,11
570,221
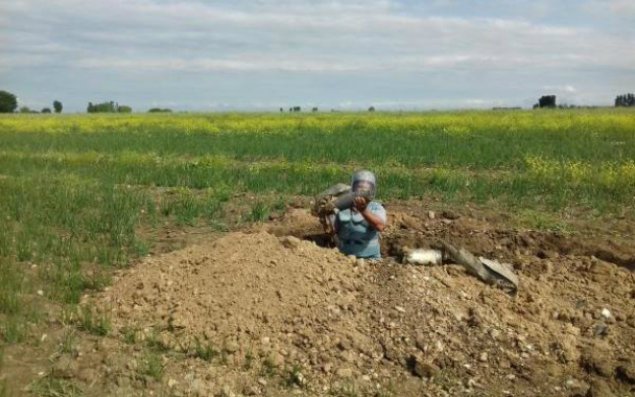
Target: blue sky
x,y
262,55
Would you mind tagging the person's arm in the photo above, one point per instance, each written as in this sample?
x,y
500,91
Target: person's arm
x,y
373,220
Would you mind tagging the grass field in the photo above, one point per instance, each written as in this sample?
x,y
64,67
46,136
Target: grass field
x,y
76,190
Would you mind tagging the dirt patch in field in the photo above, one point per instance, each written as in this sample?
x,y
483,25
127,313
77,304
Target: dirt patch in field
x,y
262,313
270,312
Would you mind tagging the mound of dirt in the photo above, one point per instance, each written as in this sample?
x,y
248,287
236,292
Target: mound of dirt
x,y
257,314
237,291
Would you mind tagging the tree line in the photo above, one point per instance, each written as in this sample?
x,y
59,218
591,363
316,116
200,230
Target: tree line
x,y
625,100
9,104
549,101
107,107
294,109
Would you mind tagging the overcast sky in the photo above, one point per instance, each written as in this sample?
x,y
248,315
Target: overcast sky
x,y
261,54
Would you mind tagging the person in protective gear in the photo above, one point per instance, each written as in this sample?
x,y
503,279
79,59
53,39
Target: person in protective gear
x,y
357,228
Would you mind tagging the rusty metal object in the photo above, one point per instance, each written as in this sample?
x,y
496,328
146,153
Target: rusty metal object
x,y
323,202
324,205
332,200
489,271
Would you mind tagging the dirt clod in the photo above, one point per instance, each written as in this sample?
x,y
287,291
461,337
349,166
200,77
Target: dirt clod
x,y
65,367
449,214
423,369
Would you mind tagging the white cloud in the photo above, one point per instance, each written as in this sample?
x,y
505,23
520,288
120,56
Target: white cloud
x,y
560,88
208,65
622,6
379,39
367,33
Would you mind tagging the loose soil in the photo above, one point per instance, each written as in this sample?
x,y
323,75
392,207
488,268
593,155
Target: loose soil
x,y
269,311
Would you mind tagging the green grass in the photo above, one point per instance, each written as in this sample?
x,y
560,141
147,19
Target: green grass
x,y
259,212
68,341
51,386
76,190
4,389
205,350
151,366
130,335
15,310
463,139
537,220
155,345
89,321
12,288
460,156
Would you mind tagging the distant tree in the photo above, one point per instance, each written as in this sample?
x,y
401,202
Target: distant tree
x,y
8,102
371,109
315,109
547,101
124,109
46,110
57,105
297,109
159,110
25,109
281,110
625,100
290,110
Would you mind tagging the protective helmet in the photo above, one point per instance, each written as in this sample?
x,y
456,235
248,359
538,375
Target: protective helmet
x,y
364,180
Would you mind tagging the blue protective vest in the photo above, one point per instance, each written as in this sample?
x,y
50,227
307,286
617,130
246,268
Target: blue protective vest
x,y
356,236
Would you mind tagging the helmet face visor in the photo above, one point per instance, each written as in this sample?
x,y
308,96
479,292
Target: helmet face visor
x,y
363,186
364,181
